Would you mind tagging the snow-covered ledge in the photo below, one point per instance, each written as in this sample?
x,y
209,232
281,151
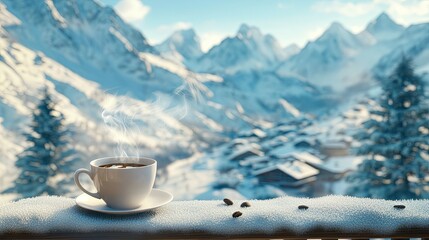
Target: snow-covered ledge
x,y
326,217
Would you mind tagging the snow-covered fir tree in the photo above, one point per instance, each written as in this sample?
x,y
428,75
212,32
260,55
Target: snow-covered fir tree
x,y
395,141
47,163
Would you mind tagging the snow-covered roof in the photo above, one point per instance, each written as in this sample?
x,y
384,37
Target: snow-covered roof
x,y
287,152
296,169
244,151
285,129
239,141
259,133
306,157
309,139
247,146
281,138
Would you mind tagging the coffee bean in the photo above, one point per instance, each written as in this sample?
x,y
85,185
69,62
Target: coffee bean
x,y
399,206
302,207
245,204
237,214
227,201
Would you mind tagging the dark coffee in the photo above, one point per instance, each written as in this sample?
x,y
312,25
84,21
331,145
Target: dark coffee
x,y
122,165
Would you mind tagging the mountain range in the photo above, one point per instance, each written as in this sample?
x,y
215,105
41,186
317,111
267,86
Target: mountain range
x,y
338,59
90,59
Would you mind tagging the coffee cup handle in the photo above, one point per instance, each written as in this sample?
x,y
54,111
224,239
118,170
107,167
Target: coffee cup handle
x,y
76,180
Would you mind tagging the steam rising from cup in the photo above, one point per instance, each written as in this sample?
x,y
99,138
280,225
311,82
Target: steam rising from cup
x,y
117,120
128,119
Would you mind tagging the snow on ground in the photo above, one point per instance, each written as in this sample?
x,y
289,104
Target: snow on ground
x,y
53,214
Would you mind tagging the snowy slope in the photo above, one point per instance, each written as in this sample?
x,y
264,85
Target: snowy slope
x,y
81,32
82,95
182,46
325,54
25,72
261,93
89,32
413,43
89,59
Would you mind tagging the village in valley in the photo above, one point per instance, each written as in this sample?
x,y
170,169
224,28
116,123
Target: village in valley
x,y
302,157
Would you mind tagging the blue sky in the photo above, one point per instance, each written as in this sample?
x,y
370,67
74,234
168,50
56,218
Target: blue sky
x,y
290,21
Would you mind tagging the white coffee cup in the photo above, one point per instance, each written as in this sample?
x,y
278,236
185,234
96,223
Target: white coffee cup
x,y
120,188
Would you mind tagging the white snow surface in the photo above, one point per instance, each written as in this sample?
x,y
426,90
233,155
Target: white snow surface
x,y
49,214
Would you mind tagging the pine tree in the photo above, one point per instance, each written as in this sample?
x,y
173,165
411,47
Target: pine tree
x,y
395,141
47,163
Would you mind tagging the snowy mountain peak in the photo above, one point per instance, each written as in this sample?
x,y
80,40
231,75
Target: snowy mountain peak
x,y
181,47
384,17
336,29
337,37
250,49
185,35
383,28
246,31
383,22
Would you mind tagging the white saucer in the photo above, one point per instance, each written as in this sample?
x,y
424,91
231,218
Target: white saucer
x,y
156,198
